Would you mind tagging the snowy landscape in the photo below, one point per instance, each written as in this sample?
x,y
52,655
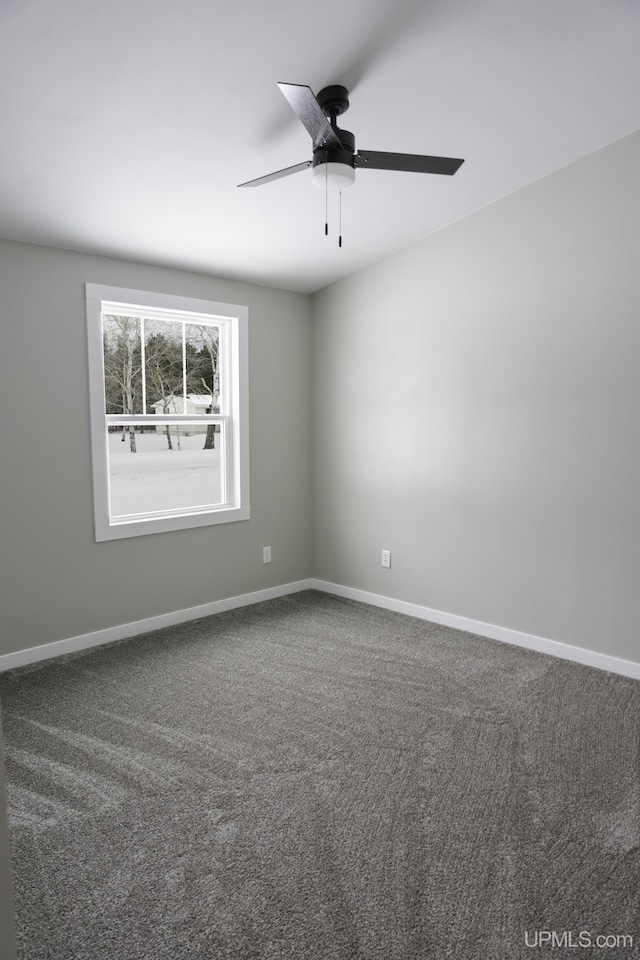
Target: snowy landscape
x,y
156,478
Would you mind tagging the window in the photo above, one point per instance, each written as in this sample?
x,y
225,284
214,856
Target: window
x,y
169,398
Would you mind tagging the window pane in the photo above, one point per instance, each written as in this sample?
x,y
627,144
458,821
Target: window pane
x,y
202,351
168,467
164,383
122,364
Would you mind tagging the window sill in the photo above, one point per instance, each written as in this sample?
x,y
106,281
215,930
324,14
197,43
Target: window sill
x,y
121,529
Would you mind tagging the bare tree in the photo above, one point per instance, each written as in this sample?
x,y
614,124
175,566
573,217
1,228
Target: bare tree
x,y
206,340
122,357
163,370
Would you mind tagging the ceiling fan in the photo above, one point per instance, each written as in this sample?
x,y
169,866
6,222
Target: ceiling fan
x,y
335,159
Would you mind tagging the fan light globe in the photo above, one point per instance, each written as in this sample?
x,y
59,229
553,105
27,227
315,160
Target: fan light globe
x,y
333,175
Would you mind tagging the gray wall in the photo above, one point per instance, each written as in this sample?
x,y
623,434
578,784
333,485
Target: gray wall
x,y
56,581
476,412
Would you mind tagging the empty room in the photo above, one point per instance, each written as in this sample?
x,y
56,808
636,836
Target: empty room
x,y
320,469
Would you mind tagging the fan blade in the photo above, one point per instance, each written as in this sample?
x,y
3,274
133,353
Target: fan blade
x,y
310,114
277,175
411,162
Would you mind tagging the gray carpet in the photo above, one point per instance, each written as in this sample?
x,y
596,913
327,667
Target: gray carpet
x,y
316,778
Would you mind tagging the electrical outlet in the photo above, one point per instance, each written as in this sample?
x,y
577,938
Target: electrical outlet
x,y
386,558
266,554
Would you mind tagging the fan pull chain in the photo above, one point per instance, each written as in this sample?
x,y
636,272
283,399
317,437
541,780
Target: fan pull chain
x,y
340,222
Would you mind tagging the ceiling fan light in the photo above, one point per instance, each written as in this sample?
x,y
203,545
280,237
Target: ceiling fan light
x,y
334,175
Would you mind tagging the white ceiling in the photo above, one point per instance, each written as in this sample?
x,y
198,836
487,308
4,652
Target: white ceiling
x,y
126,125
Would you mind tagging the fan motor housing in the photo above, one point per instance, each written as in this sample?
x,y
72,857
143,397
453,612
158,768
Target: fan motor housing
x,y
333,154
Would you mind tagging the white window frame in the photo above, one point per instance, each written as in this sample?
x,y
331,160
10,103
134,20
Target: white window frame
x,y
232,320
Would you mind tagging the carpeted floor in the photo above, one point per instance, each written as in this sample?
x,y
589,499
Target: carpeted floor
x,y
315,778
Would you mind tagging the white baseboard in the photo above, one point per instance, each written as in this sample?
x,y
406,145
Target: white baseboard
x,y
9,661
566,651
590,658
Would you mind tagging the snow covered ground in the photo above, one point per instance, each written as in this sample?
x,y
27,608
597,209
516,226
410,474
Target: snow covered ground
x,y
156,478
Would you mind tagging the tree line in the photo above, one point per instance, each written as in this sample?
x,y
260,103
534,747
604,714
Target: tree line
x,y
165,377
